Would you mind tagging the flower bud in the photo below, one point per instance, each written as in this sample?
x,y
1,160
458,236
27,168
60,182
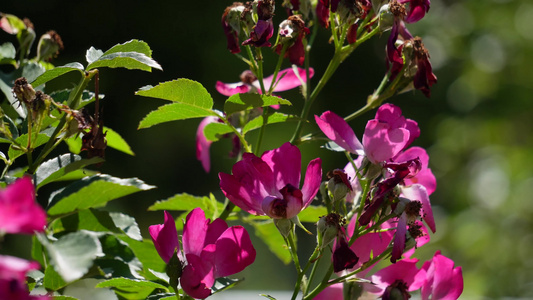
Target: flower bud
x,y
327,229
284,226
338,185
49,46
23,91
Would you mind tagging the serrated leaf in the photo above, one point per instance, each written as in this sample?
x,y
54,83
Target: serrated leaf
x,y
128,60
193,101
271,119
174,112
93,54
127,282
93,191
185,202
312,213
56,72
270,235
115,141
55,168
72,255
131,46
240,102
37,140
214,131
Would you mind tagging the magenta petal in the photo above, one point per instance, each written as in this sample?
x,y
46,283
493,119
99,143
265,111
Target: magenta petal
x,y
417,192
381,142
21,214
285,163
337,130
165,238
196,277
195,232
283,208
332,292
443,280
343,256
312,180
229,89
404,270
288,81
234,251
399,239
215,230
424,177
203,144
238,195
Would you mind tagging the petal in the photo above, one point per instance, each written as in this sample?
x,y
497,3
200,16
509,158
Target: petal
x,y
252,180
165,238
381,142
337,130
197,277
215,230
312,180
288,81
443,280
332,292
234,251
417,192
21,214
285,163
343,257
404,270
194,232
282,208
229,89
399,239
203,144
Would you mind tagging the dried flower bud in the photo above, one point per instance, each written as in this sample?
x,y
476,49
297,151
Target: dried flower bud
x,y
49,46
23,91
291,33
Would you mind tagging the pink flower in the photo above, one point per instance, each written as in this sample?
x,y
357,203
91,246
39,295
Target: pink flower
x,y
443,281
19,213
13,278
332,292
269,185
203,144
210,250
250,84
424,177
397,279
417,9
384,137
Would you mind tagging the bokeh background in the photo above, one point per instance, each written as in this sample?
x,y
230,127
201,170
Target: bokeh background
x,y
477,126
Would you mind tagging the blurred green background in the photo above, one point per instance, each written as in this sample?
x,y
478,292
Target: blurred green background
x,y
477,126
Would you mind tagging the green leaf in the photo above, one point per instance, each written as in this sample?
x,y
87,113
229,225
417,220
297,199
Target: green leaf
x,y
6,85
63,298
56,72
186,202
174,112
214,131
7,53
127,224
240,102
162,296
270,235
93,55
147,254
55,168
119,259
312,213
37,140
93,191
52,280
127,282
271,119
224,283
128,60
115,141
192,101
131,46
72,255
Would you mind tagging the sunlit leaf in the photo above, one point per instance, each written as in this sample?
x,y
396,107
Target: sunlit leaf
x,y
312,213
93,54
270,119
53,169
56,72
240,102
127,282
37,140
270,235
214,131
115,141
93,191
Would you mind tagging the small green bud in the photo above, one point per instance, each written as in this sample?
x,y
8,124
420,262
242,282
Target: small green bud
x,y
285,226
386,18
327,229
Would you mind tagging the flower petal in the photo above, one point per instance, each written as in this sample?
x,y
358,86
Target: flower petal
x,y
195,232
285,163
312,180
21,214
234,251
165,238
443,280
399,239
288,81
381,142
337,130
404,270
417,192
229,89
197,277
203,144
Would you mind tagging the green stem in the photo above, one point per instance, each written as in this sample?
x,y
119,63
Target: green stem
x,y
321,286
313,271
261,131
244,143
259,74
228,208
276,70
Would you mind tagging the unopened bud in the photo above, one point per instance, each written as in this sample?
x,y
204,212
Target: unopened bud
x,y
23,91
338,185
49,45
284,226
327,229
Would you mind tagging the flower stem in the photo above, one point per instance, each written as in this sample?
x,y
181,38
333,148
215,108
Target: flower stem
x,y
276,70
